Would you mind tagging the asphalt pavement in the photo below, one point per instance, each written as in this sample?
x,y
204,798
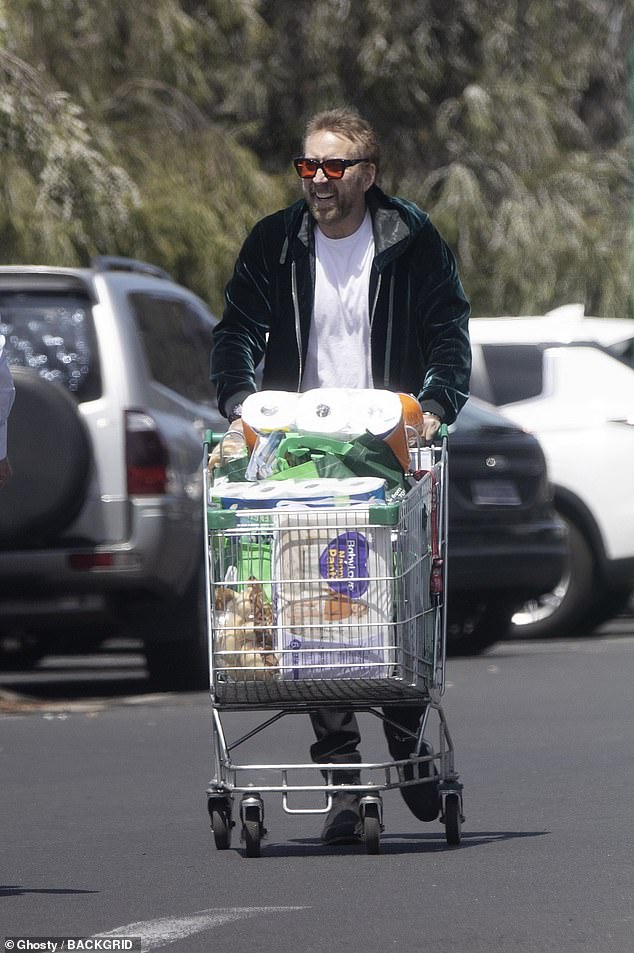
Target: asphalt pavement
x,y
105,833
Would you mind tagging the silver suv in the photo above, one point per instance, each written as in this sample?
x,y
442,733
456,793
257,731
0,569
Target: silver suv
x,y
101,523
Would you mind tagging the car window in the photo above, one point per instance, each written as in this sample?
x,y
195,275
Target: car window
x,y
177,341
514,371
54,334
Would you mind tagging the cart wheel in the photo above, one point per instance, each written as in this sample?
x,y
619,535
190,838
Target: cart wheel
x,y
252,831
453,819
372,829
221,825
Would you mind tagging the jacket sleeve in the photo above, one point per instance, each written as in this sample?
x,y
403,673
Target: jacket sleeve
x,y
7,394
240,336
444,332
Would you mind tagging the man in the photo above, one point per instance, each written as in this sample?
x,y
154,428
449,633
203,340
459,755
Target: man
x,y
347,287
7,394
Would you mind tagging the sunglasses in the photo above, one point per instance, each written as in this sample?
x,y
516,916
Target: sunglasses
x,y
332,168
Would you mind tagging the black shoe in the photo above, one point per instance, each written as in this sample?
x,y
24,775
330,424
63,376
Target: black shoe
x,y
423,800
343,822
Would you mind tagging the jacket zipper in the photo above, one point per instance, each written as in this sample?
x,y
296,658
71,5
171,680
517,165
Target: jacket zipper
x,y
298,330
388,335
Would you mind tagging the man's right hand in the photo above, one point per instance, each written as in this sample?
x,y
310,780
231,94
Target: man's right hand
x,y
231,445
5,472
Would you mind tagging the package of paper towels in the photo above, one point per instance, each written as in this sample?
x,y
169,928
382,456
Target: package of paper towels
x,y
289,494
333,597
348,412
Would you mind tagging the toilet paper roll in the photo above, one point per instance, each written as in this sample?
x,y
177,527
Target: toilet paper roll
x,y
270,410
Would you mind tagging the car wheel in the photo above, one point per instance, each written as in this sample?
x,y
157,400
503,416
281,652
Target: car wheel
x,y
175,640
473,628
50,456
567,609
612,603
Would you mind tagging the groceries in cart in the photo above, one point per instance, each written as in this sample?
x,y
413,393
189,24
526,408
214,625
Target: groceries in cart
x,y
244,637
304,571
345,427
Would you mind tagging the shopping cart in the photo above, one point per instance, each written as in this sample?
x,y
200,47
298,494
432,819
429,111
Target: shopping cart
x,y
329,606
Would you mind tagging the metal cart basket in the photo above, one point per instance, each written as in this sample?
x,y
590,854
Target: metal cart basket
x,y
334,605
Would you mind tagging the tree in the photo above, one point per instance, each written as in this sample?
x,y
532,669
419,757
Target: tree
x,y
507,121
62,197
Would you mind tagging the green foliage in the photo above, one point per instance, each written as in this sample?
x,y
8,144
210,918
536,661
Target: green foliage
x,y
62,198
163,129
199,202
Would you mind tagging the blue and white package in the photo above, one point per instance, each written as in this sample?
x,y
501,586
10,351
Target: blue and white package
x,y
293,493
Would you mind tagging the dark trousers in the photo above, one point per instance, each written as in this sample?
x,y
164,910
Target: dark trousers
x,y
338,736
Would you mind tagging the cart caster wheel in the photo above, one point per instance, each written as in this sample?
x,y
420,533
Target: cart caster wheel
x,y
453,819
252,831
372,829
221,825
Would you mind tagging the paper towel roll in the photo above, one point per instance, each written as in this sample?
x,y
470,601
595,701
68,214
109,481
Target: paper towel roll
x,y
380,410
270,410
349,412
384,419
327,411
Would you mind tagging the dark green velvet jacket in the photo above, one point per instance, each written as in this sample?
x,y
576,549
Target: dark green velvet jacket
x,y
418,309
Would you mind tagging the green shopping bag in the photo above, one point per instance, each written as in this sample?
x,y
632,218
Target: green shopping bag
x,y
364,456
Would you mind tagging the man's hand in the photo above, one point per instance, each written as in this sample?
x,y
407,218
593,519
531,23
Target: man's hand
x,y
431,425
425,430
231,445
5,472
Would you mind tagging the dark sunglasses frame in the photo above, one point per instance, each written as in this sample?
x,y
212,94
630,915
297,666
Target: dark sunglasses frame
x,y
342,164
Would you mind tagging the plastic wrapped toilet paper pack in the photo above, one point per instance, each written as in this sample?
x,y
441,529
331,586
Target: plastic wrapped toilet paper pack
x,y
283,494
332,597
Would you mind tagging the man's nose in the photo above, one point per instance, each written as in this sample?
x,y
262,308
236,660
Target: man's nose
x,y
320,176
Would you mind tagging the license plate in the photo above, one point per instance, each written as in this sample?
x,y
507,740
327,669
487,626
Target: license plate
x,y
495,493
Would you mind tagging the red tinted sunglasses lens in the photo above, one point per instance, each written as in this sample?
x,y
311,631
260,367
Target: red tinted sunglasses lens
x,y
306,168
333,168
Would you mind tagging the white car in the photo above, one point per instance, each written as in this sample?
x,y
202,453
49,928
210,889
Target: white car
x,y
570,381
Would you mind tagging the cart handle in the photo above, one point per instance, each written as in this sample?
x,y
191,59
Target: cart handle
x,y
213,437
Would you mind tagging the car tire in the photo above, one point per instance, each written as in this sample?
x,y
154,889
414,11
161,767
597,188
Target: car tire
x,y
613,603
471,629
178,664
50,455
567,610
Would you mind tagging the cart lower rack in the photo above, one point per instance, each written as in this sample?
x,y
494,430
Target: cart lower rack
x,y
338,606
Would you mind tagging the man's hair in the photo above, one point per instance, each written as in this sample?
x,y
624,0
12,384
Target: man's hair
x,y
346,121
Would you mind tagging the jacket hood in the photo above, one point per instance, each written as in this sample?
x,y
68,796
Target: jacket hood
x,y
395,221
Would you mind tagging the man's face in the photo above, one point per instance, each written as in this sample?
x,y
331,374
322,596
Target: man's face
x,y
338,205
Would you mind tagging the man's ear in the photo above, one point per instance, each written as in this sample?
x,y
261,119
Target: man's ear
x,y
370,175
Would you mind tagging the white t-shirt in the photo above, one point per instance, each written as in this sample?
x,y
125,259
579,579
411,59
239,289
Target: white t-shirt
x,y
339,342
